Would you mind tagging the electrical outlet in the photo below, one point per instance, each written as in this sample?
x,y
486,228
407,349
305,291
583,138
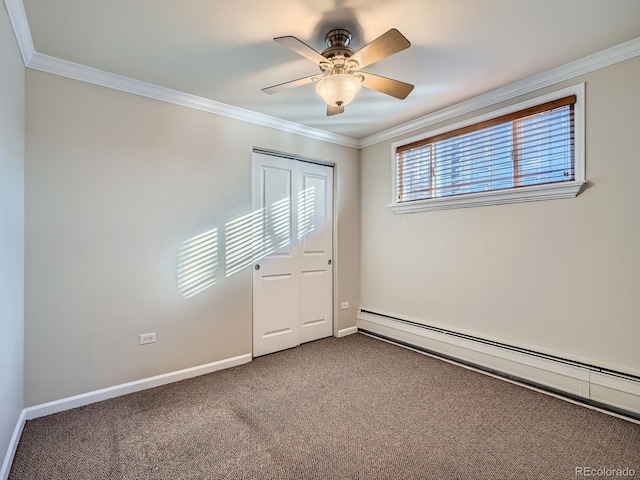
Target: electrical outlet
x,y
147,338
345,305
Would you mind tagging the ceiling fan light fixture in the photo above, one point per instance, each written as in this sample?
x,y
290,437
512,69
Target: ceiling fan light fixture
x,y
341,77
339,89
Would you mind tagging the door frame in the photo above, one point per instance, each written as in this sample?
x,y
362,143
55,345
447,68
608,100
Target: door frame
x,y
334,224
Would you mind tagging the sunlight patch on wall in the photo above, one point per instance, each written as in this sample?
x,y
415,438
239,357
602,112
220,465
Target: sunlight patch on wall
x,y
197,263
241,234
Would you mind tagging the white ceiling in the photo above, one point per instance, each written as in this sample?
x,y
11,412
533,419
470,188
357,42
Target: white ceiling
x,y
223,50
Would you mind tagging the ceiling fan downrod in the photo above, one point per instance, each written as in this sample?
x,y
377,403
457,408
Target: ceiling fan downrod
x,y
338,38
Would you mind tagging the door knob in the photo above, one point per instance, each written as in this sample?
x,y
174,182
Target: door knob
x,y
257,267
329,262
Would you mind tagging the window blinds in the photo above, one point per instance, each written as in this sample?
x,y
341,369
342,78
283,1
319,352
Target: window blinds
x,y
529,147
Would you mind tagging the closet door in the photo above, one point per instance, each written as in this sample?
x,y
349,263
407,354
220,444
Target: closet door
x,y
293,236
315,233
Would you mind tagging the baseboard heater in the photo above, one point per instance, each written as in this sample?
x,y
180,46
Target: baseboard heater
x,y
603,388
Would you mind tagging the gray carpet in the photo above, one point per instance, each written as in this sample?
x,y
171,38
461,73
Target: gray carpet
x,y
350,408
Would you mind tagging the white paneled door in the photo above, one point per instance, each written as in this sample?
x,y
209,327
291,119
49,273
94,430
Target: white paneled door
x,y
292,203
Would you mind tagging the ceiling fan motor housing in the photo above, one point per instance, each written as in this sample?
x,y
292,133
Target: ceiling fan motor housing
x,y
338,42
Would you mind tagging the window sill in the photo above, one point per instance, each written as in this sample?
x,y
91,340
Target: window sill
x,y
496,197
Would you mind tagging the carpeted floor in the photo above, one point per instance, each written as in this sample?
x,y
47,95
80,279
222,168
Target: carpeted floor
x,y
350,408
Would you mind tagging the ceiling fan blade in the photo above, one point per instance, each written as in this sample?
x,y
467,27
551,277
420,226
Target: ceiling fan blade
x,y
287,85
300,48
395,88
385,45
334,110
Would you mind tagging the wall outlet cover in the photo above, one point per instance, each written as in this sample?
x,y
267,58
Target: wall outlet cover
x,y
146,338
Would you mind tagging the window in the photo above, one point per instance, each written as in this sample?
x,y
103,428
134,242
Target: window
x,y
531,151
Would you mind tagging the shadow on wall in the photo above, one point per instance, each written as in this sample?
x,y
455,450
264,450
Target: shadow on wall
x,y
248,238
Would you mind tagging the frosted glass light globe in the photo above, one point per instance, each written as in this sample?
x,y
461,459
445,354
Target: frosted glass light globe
x,y
339,89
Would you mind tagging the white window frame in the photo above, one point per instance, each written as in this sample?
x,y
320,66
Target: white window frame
x,y
531,193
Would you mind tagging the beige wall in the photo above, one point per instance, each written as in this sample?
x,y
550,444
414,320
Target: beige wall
x,y
559,276
114,184
11,231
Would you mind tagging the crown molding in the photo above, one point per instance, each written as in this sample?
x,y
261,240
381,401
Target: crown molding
x,y
46,63
613,55
95,76
18,19
57,66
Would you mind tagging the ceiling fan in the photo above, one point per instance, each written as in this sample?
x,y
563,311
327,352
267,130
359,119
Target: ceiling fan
x,y
341,77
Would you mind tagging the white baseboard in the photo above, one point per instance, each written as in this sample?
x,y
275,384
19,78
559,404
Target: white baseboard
x,y
347,331
573,379
13,445
131,387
